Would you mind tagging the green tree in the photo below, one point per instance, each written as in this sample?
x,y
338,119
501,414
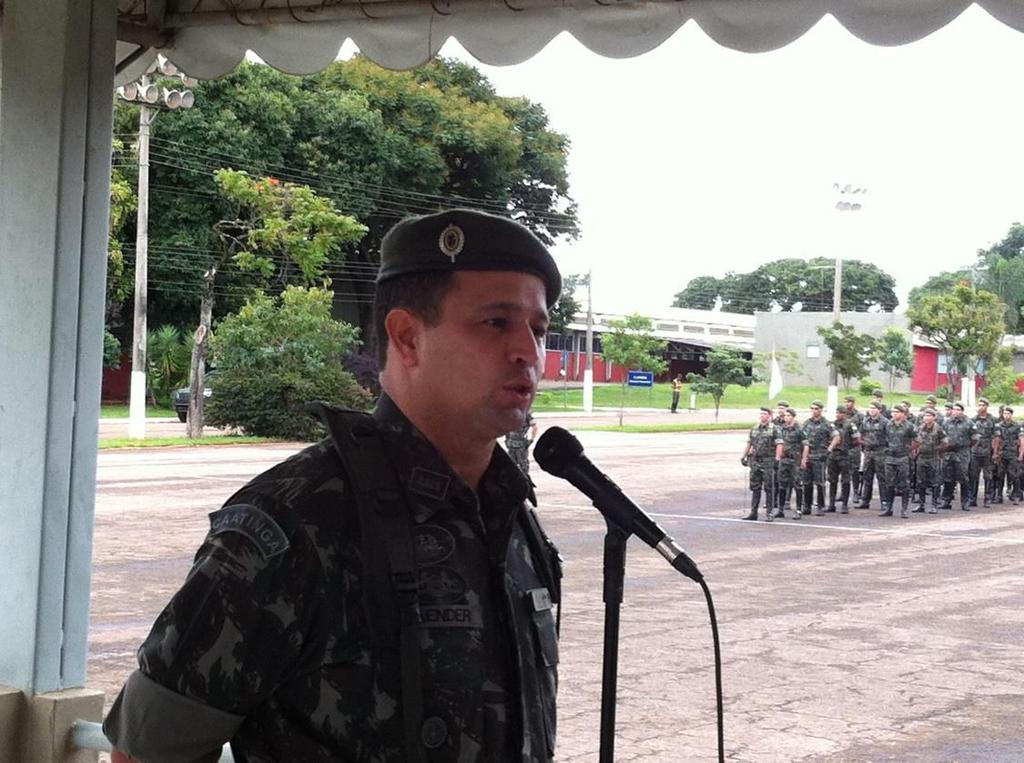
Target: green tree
x,y
277,233
940,284
631,344
895,354
1001,269
567,306
380,144
790,283
111,350
276,355
965,323
167,358
725,366
120,277
1001,379
850,353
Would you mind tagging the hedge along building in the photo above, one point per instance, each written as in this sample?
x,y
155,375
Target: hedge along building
x,y
59,63
687,334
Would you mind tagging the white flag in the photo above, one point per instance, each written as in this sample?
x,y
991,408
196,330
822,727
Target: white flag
x,y
775,380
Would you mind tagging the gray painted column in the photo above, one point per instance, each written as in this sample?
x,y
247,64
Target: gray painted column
x,y
56,83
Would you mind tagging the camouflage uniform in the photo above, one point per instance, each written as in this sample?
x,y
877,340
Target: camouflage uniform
x,y
873,435
981,458
517,444
1008,467
792,439
818,433
843,461
960,433
762,467
857,466
272,642
930,439
899,437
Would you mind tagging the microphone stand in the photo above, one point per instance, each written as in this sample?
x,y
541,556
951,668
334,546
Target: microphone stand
x,y
614,580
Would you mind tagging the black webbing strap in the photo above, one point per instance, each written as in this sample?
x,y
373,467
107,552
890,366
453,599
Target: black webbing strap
x,y
385,523
549,562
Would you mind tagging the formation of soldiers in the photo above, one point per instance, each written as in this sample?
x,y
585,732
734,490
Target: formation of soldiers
x,y
825,466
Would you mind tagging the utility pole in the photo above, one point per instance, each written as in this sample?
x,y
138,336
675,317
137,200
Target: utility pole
x,y
147,95
848,198
588,372
137,395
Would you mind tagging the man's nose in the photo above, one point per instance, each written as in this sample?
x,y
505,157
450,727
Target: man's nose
x,y
525,347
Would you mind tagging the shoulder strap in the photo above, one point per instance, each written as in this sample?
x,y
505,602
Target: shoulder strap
x,y
384,523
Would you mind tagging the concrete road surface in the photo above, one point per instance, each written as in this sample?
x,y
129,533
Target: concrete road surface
x,y
845,638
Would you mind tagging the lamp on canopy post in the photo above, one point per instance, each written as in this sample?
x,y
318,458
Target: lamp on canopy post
x,y
846,198
152,99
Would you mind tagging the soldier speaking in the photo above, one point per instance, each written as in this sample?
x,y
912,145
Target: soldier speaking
x,y
386,594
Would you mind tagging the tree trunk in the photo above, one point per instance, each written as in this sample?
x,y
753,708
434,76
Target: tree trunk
x,y
718,402
197,371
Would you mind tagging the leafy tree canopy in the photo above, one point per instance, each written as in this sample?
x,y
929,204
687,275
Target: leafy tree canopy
x,y
850,353
789,284
273,357
965,323
567,306
725,366
942,283
895,354
631,344
380,144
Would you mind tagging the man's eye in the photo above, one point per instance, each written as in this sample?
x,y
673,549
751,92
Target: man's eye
x,y
498,323
540,331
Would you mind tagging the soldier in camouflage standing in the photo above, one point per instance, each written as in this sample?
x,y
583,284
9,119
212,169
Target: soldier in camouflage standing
x,y
791,458
386,594
818,433
877,397
899,444
1008,458
843,459
961,435
873,438
856,418
778,420
517,443
931,441
759,455
945,461
981,454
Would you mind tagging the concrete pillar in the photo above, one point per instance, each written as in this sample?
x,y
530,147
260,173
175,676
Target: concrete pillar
x,y
46,727
56,92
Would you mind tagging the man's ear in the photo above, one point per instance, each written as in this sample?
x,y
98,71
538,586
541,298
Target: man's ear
x,y
404,329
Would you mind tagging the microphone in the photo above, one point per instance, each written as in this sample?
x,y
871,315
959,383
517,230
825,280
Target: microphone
x,y
559,453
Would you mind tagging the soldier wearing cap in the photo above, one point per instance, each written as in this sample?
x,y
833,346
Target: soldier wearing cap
x,y
899,446
818,433
877,397
948,479
1007,457
931,442
857,468
791,453
985,425
961,434
385,594
759,455
873,437
778,420
842,450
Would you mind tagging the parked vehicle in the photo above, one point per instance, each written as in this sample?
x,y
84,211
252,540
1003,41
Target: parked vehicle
x,y
184,394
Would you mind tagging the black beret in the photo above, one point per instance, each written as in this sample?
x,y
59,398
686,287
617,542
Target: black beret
x,y
1008,408
465,239
876,405
877,393
766,409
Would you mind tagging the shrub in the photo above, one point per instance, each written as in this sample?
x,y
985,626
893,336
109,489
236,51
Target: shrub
x,y
942,392
275,356
867,386
168,353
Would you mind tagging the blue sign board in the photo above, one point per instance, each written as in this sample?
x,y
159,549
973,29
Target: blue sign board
x,y
640,378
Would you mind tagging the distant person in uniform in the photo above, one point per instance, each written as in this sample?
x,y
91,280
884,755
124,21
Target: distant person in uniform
x,y
677,389
518,442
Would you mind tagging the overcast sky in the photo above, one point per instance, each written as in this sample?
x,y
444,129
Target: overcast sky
x,y
694,159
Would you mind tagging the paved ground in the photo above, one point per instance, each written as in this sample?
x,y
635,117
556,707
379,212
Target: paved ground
x,y
848,638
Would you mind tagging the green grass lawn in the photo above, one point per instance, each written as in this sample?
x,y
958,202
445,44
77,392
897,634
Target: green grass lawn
x,y
121,412
660,396
167,442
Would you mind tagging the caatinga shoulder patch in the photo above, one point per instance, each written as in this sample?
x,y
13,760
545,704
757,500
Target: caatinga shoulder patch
x,y
255,524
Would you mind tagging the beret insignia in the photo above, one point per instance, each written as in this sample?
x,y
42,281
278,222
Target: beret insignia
x,y
451,241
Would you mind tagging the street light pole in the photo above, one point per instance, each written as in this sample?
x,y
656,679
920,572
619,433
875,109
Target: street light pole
x,y
588,373
147,95
848,198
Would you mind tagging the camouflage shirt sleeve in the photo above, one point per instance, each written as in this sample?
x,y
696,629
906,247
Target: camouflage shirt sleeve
x,y
240,622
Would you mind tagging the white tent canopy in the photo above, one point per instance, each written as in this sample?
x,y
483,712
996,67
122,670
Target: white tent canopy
x,y
303,36
57,70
